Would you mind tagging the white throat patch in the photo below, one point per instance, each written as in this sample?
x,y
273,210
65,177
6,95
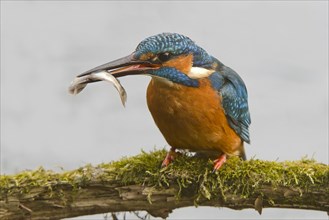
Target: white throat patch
x,y
163,80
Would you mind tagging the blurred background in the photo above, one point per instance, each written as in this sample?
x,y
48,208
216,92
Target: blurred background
x,y
280,49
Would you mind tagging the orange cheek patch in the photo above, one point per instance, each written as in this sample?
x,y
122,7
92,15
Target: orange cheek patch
x,y
146,56
182,63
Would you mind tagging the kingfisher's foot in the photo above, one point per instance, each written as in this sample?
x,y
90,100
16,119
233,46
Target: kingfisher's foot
x,y
219,162
169,157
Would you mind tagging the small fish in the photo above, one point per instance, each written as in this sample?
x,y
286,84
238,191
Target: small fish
x,y
79,83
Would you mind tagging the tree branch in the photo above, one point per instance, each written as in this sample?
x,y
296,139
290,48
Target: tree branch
x,y
138,183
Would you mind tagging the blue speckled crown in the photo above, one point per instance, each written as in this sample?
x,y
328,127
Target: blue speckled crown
x,y
175,44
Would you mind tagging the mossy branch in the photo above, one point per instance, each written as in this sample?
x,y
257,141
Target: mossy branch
x,y
138,183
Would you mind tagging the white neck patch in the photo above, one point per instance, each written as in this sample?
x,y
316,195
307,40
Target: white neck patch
x,y
163,80
199,72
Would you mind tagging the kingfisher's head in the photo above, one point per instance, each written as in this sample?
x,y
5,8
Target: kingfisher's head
x,y
171,56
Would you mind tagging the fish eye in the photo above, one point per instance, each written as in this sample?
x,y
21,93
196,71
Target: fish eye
x,y
163,57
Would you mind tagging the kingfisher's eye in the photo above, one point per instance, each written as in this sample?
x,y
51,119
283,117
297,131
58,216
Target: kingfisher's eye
x,y
163,57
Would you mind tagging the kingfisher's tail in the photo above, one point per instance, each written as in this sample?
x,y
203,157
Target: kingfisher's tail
x,y
242,153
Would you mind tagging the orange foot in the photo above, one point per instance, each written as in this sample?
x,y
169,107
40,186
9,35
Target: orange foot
x,y
219,162
169,157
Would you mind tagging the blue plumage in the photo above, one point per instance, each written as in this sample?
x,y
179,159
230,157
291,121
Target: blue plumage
x,y
234,99
175,44
175,76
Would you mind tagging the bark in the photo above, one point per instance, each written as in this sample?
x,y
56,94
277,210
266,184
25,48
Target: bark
x,y
61,199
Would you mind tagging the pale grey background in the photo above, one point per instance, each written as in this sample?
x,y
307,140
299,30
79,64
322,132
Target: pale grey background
x,y
280,49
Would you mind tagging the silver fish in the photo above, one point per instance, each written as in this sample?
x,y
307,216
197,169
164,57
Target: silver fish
x,y
79,83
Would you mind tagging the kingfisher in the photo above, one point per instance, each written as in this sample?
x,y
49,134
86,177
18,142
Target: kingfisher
x,y
197,102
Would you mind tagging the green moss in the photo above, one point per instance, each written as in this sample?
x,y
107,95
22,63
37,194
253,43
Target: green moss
x,y
193,175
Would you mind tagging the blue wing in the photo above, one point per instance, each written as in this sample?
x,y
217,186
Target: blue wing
x,y
234,100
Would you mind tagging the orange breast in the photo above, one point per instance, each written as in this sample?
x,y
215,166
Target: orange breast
x,y
191,118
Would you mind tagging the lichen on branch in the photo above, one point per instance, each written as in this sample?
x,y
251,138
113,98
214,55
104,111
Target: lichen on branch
x,y
139,183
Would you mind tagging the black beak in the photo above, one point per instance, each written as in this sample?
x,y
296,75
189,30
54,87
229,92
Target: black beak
x,y
128,65
124,66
